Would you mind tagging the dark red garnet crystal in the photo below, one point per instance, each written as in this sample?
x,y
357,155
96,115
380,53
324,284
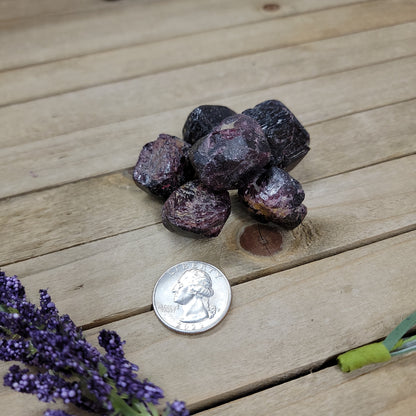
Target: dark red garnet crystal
x,y
222,150
289,141
163,166
231,154
202,120
276,197
195,210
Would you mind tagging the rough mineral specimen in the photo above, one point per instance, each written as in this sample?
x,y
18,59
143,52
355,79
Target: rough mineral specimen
x,y
163,166
275,196
202,120
289,141
196,211
229,156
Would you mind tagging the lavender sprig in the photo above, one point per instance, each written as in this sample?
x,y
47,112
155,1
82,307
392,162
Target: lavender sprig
x,y
68,367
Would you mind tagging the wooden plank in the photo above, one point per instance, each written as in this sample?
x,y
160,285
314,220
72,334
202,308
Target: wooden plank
x,y
405,407
47,79
26,9
344,211
302,316
91,152
112,204
115,27
359,140
378,390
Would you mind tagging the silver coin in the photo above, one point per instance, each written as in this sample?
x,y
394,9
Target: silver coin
x,y
192,297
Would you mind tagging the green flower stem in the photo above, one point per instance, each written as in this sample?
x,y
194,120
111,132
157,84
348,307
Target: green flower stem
x,y
380,352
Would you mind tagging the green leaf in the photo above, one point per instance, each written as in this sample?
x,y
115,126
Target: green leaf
x,y
153,409
140,407
122,408
4,308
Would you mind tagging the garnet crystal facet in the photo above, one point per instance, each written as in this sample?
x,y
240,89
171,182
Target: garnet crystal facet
x,y
195,210
231,154
202,120
163,166
276,197
289,141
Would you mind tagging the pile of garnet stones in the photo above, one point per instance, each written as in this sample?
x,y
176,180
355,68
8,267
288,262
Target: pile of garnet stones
x,y
220,151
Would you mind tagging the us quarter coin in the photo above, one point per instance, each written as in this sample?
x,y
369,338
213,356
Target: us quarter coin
x,y
192,297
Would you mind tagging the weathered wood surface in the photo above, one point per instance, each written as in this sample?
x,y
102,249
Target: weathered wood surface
x,y
103,28
302,316
89,70
24,9
84,84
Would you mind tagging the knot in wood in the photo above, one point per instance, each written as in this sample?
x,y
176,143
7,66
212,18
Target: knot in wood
x,y
261,240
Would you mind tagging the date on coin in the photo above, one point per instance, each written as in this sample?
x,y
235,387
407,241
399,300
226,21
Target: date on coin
x,y
192,297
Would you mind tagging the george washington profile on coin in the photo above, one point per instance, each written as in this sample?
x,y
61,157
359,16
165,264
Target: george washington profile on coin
x,y
192,291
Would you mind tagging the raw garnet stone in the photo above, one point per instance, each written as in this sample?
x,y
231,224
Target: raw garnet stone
x,y
289,141
231,154
163,166
202,120
276,197
195,210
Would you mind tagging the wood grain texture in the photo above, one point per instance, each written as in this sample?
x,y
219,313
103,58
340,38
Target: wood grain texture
x,y
26,9
377,390
112,204
362,48
32,12
84,84
94,151
302,316
114,27
344,211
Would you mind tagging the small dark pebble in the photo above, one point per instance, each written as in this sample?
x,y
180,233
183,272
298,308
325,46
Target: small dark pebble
x,y
196,211
288,139
163,166
276,197
229,156
202,120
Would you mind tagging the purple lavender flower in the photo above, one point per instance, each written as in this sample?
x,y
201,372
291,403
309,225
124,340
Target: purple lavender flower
x,y
111,342
176,408
68,367
13,350
55,413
